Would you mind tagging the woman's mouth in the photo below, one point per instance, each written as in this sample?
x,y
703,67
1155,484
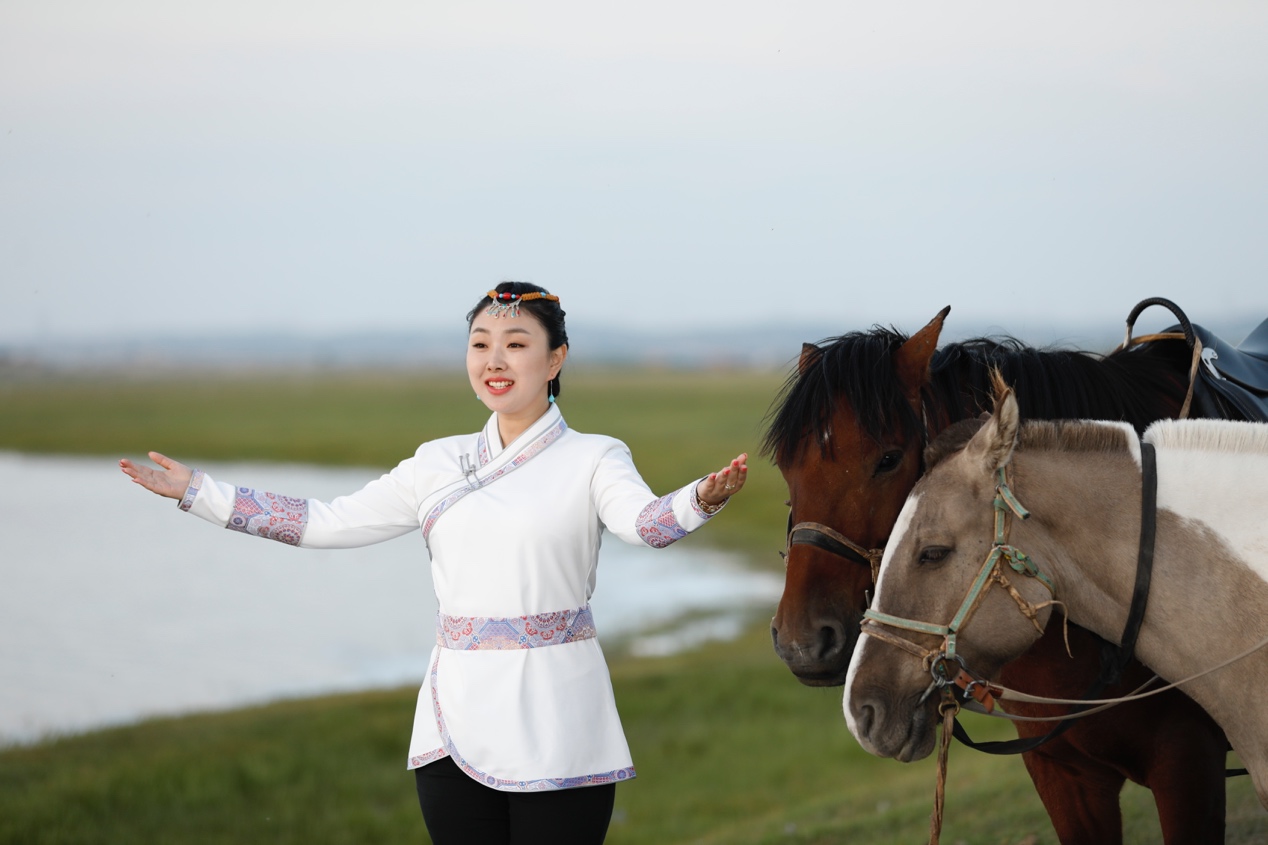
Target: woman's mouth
x,y
498,386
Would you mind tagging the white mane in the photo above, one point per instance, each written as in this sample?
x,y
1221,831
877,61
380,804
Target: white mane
x,y
1209,435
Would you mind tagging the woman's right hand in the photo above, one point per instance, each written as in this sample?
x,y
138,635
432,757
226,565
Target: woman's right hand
x,y
171,481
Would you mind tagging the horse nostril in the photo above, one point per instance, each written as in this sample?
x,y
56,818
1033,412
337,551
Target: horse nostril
x,y
831,639
865,718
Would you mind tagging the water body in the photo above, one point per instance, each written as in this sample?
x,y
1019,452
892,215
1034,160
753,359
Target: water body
x,y
115,606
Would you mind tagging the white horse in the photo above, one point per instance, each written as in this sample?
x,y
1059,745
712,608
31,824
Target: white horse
x,y
1082,484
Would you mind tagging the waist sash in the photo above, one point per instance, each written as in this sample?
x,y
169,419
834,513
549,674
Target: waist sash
x,y
501,633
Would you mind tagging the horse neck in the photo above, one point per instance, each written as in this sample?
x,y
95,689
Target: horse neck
x,y
1205,605
1083,531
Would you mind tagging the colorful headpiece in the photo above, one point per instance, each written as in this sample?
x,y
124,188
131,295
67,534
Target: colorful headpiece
x,y
508,303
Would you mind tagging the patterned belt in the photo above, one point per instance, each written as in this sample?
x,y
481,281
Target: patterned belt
x,y
497,633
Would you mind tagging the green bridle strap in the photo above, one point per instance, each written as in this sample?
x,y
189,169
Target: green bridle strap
x,y
1018,560
947,632
908,624
1004,496
971,598
1023,565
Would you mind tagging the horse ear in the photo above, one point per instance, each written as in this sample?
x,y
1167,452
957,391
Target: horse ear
x,y
992,447
809,355
912,360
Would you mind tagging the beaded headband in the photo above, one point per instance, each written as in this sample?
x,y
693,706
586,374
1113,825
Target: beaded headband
x,y
508,303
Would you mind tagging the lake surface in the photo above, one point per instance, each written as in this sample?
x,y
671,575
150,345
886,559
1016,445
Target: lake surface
x,y
115,606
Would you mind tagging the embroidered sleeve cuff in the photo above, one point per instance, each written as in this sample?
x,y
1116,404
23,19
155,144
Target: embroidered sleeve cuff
x,y
268,515
657,525
673,517
256,512
191,492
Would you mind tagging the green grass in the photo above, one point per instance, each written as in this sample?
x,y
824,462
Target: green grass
x,y
729,748
678,425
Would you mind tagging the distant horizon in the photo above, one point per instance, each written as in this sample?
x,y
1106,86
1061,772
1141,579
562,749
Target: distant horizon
x,y
905,318
765,345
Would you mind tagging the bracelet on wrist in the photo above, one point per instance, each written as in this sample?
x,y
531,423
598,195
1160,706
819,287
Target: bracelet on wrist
x,y
707,508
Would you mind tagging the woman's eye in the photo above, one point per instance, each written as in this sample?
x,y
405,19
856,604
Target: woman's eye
x,y
934,554
889,461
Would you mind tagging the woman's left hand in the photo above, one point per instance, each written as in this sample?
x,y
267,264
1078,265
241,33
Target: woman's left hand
x,y
717,487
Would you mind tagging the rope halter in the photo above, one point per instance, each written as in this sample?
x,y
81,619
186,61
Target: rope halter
x,y
945,666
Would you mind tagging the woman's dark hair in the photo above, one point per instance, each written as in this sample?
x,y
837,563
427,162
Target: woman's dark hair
x,y
545,311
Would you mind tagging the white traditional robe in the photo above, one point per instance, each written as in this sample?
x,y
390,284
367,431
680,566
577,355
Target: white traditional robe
x,y
518,692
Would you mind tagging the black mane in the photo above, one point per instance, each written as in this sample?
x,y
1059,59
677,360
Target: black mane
x,y
1140,385
856,367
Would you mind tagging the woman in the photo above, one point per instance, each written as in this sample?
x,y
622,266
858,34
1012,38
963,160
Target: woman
x,y
517,713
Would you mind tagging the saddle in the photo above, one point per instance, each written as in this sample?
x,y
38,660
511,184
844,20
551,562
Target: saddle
x,y
1226,382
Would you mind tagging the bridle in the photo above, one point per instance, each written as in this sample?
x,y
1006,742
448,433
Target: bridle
x,y
830,540
945,665
947,668
834,542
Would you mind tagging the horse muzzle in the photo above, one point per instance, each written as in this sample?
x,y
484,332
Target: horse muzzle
x,y
904,729
819,654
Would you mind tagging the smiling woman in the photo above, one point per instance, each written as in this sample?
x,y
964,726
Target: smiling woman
x,y
511,359
517,710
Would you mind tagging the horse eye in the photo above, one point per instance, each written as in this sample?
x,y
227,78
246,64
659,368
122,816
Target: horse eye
x,y
889,461
934,554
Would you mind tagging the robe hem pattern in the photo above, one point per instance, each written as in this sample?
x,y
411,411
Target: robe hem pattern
x,y
504,784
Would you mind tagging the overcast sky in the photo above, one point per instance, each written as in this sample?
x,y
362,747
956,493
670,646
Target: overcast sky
x,y
204,167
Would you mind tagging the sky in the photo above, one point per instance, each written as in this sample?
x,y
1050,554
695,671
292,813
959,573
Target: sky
x,y
186,169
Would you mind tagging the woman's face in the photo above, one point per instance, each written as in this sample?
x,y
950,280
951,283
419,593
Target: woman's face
x,y
510,362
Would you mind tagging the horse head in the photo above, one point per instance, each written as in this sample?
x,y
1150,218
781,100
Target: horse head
x,y
939,610
847,437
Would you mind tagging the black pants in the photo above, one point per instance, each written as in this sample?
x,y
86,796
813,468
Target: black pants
x,y
461,811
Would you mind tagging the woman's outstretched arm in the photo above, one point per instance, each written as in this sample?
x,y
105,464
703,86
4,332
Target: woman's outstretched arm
x,y
171,481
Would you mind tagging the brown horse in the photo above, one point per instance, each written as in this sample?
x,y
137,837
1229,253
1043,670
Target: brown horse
x,y
1078,487
848,433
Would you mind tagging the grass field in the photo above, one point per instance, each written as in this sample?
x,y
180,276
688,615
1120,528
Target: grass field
x,y
729,748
